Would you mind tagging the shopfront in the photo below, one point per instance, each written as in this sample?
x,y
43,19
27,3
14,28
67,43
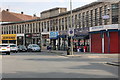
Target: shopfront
x,y
36,38
54,41
28,39
105,39
63,40
45,41
81,39
9,38
20,39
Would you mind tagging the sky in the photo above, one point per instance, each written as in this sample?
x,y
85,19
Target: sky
x,y
31,7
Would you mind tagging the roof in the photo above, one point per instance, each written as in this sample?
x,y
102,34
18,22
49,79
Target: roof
x,y
61,14
52,9
7,16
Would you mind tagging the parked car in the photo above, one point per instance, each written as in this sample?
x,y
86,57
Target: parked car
x,y
22,48
5,48
13,48
33,47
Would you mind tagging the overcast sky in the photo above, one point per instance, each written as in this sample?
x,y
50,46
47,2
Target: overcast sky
x,y
31,7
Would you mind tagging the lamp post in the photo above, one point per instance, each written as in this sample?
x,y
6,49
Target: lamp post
x,y
71,26
106,17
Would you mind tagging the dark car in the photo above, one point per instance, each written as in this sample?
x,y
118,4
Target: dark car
x,y
22,48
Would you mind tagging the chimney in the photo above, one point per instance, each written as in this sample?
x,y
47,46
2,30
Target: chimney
x,y
34,15
21,12
7,9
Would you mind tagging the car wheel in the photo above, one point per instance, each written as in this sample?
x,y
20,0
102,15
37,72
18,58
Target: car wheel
x,y
8,53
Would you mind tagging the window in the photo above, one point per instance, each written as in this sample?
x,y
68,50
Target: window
x,y
105,13
80,20
96,20
100,16
91,13
83,19
87,18
115,13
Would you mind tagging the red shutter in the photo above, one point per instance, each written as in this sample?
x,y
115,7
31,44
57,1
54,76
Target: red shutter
x,y
106,42
113,42
96,43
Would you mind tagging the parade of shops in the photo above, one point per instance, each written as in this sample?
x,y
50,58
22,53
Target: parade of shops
x,y
91,31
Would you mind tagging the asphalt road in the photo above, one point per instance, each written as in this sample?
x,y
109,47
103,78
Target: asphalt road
x,y
50,65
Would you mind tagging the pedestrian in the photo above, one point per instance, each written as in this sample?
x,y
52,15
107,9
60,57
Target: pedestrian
x,y
68,51
50,47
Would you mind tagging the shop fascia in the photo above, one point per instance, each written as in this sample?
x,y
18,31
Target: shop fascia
x,y
78,32
20,35
54,35
105,27
32,35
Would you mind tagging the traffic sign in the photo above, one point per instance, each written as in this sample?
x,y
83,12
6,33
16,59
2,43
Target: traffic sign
x,y
71,32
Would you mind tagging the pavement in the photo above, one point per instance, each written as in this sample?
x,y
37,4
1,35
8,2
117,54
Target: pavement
x,y
88,55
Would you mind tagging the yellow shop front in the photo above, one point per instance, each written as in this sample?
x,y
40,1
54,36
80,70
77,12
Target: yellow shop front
x,y
9,38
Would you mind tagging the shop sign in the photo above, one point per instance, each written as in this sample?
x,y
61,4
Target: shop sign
x,y
104,27
54,35
82,31
106,17
28,35
36,35
20,34
45,36
96,28
9,37
65,32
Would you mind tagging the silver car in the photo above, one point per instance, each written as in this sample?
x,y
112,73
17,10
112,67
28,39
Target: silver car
x,y
13,48
33,47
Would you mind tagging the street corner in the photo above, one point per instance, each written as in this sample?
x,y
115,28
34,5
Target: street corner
x,y
116,63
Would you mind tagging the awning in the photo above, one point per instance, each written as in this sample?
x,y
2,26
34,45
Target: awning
x,y
81,37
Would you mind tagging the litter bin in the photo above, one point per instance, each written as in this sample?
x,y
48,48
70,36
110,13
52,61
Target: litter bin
x,y
68,51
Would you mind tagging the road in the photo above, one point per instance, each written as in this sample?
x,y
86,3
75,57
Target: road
x,y
49,65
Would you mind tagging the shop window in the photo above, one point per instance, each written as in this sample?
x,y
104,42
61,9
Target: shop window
x,y
115,19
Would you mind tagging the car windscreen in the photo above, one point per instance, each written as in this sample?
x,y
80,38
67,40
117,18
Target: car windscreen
x,y
12,45
3,45
21,46
35,45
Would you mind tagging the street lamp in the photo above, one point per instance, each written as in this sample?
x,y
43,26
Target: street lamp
x,y
106,17
71,26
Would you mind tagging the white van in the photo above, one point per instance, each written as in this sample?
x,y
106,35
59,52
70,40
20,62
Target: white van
x,y
5,48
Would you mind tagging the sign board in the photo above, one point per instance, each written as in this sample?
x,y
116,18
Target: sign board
x,y
36,35
53,35
81,31
106,17
65,32
71,32
28,35
104,27
20,34
9,37
45,36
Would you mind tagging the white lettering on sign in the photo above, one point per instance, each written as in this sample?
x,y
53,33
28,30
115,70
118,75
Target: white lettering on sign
x,y
104,27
